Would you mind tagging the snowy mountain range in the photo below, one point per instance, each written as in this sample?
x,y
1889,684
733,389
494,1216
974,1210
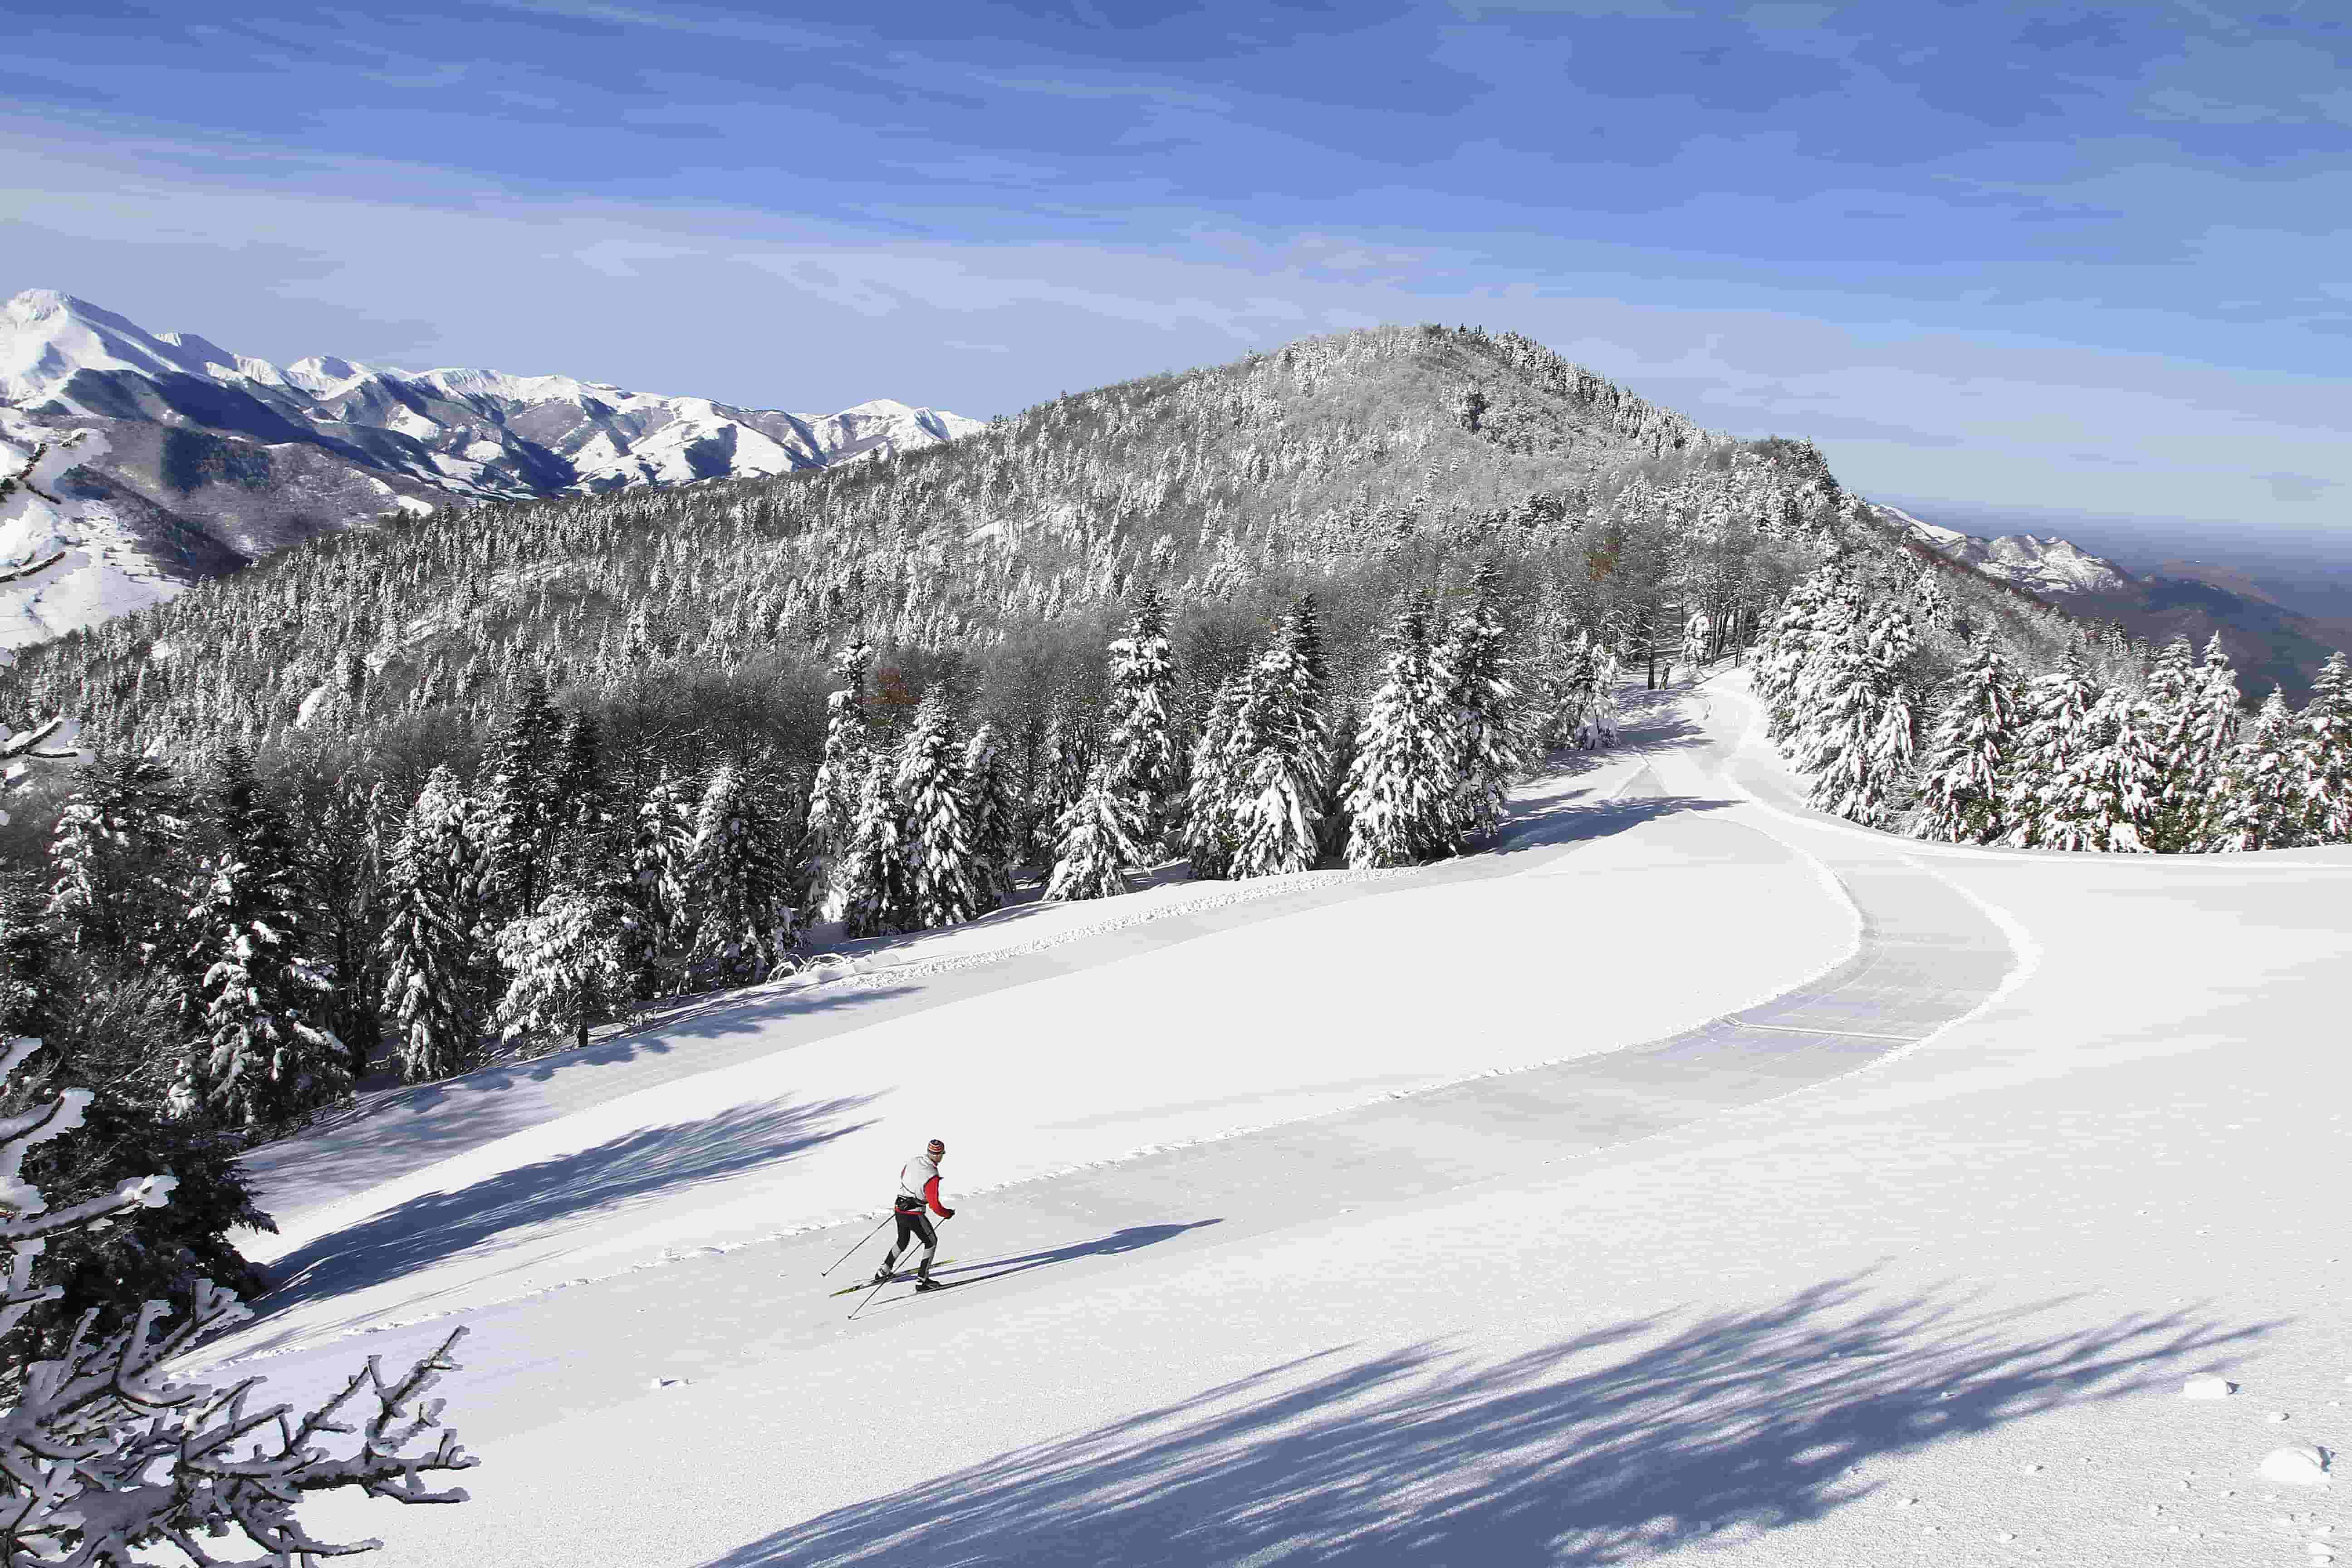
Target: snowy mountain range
x,y
186,460
2038,565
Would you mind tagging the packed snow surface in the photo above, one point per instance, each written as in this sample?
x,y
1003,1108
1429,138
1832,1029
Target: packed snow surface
x,y
1611,1197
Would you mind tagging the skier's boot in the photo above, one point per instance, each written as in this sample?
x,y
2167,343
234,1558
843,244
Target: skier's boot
x,y
924,1281
882,1275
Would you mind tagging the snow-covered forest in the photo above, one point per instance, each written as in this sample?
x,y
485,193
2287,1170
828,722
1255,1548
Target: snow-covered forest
x,y
473,784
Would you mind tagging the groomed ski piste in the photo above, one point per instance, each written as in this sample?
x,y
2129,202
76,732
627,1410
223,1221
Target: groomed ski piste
x,y
1687,1175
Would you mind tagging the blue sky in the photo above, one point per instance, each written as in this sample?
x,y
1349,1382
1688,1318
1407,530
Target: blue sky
x,y
1985,253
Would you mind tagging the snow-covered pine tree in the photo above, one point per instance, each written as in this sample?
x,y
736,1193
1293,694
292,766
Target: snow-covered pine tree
x,y
2256,805
433,965
943,862
1487,724
566,965
1212,834
106,1458
841,775
587,830
2057,732
2197,752
1860,724
997,849
1073,744
738,884
261,1054
1098,843
123,825
1402,788
1278,752
877,889
1698,636
1814,613
521,812
661,853
1977,733
2323,755
1140,744
2108,798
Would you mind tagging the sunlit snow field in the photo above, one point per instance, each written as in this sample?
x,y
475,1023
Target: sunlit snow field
x,y
1872,1205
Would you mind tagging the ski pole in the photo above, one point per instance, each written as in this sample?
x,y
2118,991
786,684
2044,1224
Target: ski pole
x,y
853,1251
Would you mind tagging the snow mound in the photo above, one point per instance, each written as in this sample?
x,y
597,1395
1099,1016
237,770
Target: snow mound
x,y
2298,1466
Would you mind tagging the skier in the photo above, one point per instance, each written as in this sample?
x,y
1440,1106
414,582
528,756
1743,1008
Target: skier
x,y
919,1186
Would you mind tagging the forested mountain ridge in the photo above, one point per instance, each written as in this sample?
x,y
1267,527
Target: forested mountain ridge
x,y
1364,453
190,460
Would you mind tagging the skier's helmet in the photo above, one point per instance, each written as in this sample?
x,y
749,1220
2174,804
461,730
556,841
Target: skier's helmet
x,y
935,1148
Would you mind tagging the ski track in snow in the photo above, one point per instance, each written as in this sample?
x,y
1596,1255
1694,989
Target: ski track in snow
x,y
1906,1262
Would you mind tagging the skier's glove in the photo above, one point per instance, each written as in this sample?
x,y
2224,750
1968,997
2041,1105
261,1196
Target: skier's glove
x,y
950,1215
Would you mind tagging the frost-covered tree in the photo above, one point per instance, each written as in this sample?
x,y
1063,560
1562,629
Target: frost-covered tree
x,y
1097,844
567,966
588,831
521,814
432,961
1976,734
1403,788
1860,724
2196,755
260,1055
876,881
1211,831
841,773
1815,614
2109,796
2257,805
2322,756
111,860
1140,741
1279,750
943,870
107,1460
740,887
2057,732
661,853
997,845
1487,724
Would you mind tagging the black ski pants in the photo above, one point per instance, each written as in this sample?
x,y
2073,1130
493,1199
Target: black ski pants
x,y
914,1226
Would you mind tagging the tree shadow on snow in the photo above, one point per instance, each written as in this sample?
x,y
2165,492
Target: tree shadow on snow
x,y
1644,1435
552,1195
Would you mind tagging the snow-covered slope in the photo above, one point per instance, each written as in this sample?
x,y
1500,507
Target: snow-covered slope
x,y
1909,1264
210,458
2051,565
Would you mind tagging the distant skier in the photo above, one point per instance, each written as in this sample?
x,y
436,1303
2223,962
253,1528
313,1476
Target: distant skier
x,y
919,1187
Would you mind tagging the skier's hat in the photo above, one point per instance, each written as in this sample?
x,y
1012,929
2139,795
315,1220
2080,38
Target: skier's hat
x,y
935,1147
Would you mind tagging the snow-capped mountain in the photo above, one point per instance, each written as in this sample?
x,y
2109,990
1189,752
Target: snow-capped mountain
x,y
2040,565
190,460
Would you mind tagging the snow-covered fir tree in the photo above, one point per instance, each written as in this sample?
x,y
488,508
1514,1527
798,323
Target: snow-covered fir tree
x,y
261,1054
1860,726
2321,783
2109,797
567,966
661,852
2196,749
1815,614
739,884
432,961
519,807
1097,844
1403,789
1139,746
1488,726
997,846
111,857
943,871
878,893
109,1455
2057,732
2256,805
1976,735
1212,829
841,773
1278,752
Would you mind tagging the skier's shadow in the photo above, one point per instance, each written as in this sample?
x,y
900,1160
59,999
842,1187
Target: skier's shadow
x,y
1130,1239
